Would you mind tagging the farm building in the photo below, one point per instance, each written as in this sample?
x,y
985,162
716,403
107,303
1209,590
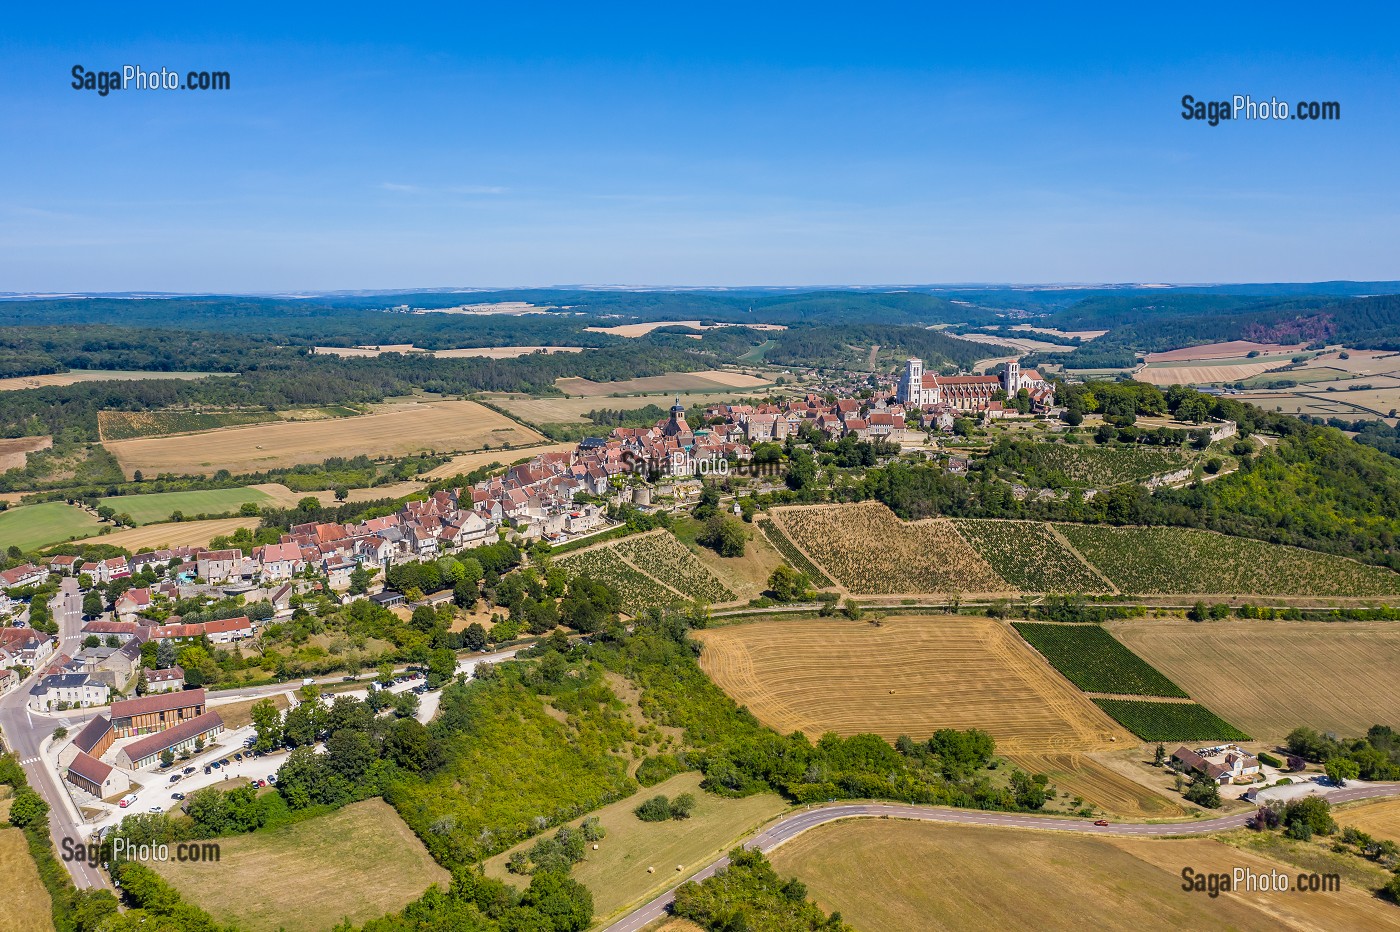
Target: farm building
x,y
183,737
1225,764
150,714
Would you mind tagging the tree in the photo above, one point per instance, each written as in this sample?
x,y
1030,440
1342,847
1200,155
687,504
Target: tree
x,y
787,584
92,640
267,724
60,733
442,666
1342,769
167,757
27,808
341,493
92,603
1159,755
360,578
1204,791
724,535
565,903
165,654
474,638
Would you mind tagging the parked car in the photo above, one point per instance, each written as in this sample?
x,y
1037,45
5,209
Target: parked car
x,y
238,756
272,778
189,769
175,778
348,679
207,769
127,800
177,796
156,809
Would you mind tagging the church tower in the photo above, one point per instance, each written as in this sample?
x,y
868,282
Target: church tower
x,y
912,390
1011,379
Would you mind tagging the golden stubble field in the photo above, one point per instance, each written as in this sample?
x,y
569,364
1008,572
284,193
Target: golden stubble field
x,y
908,676
706,379
392,430
897,876
1269,677
172,534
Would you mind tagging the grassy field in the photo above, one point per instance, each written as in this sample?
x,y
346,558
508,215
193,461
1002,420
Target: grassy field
x,y
867,549
617,872
908,676
32,526
151,509
238,714
398,429
1165,560
1269,677
1170,721
1030,555
888,876
748,575
24,903
177,534
357,863
1091,659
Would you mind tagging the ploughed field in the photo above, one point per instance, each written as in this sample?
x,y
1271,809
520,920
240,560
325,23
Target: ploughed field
x,y
1269,677
909,676
393,430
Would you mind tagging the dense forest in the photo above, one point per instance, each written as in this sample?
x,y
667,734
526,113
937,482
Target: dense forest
x,y
848,346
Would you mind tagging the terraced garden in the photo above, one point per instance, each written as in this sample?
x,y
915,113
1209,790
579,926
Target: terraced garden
x,y
662,557
1169,560
1029,555
1170,721
638,590
1095,661
870,551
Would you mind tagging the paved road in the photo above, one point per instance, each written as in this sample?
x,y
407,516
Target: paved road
x,y
794,825
26,734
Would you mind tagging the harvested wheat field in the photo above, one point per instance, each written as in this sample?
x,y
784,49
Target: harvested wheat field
x,y
24,903
74,376
393,430
909,676
1229,350
1269,677
867,549
173,534
574,409
1203,375
1080,775
899,876
1378,817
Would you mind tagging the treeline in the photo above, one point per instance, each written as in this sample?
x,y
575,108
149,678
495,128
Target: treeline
x,y
1373,757
848,346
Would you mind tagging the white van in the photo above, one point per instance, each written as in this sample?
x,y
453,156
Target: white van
x,y
127,800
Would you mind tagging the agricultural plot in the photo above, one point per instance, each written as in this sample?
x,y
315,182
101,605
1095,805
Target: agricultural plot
x,y
638,590
74,376
1108,466
908,676
323,873
393,430
24,903
1170,721
662,557
1029,555
705,380
124,425
1170,560
792,555
869,550
876,874
15,453
150,509
29,527
1272,676
172,534
1093,660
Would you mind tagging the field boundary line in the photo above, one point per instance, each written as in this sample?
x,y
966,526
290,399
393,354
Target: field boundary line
x,y
1055,532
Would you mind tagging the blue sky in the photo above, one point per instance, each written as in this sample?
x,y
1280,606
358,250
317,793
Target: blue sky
x,y
709,144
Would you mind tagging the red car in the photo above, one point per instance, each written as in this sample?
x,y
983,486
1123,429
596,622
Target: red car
x,y
1101,822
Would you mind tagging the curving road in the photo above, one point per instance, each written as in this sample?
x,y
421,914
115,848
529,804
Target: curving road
x,y
794,825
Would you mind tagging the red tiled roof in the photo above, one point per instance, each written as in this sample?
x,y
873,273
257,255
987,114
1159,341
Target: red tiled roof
x,y
90,768
163,702
154,744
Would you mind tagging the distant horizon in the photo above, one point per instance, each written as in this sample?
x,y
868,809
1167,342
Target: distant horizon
x,y
152,294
